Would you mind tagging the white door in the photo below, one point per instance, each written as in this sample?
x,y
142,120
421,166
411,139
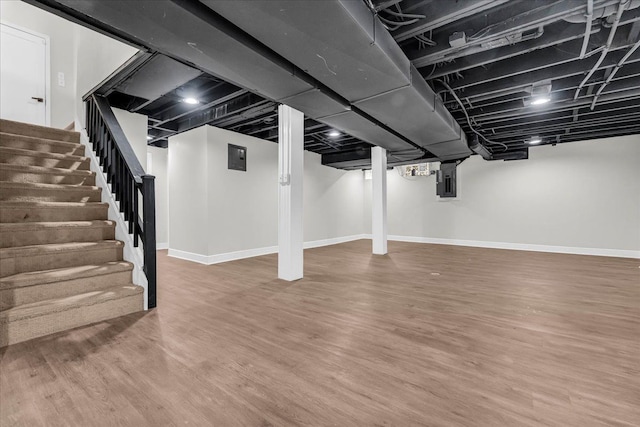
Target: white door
x,y
23,69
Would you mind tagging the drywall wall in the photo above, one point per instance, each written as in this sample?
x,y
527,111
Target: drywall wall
x,y
582,195
154,162
243,206
62,55
84,56
156,165
97,56
188,204
241,213
333,201
134,127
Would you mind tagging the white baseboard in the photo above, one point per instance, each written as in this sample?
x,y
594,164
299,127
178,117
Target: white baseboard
x,y
335,241
232,256
520,246
161,246
250,253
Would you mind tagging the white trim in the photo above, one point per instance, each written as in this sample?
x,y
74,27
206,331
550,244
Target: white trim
x,y
162,246
335,241
217,259
250,253
129,253
47,66
521,246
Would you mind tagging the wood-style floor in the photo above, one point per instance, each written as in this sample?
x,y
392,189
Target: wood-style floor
x,y
428,335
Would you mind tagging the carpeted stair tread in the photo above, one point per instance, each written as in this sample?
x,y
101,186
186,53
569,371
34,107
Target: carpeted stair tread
x,y
9,126
7,151
40,211
9,204
16,234
35,226
45,170
29,311
45,175
30,191
63,274
32,250
41,144
62,187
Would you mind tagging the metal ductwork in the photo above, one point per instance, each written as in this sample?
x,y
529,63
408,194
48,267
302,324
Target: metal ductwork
x,y
344,70
350,52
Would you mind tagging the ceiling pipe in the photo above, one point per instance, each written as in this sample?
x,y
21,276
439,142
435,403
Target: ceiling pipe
x,y
613,73
587,33
607,47
599,12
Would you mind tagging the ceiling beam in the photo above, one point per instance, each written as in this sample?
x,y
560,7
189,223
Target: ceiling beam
x,y
508,82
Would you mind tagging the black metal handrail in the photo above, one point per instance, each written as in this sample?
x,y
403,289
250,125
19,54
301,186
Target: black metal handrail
x,y
128,181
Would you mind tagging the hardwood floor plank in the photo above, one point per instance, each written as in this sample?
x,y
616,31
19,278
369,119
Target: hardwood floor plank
x,y
428,335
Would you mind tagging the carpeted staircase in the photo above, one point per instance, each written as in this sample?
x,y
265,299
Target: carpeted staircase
x,y
60,265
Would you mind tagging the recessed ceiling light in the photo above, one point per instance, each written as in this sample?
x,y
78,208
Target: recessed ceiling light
x,y
540,100
191,101
334,134
535,140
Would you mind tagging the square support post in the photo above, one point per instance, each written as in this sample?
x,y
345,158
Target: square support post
x,y
379,200
290,173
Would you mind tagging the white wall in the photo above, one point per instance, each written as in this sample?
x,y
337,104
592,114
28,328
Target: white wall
x,y
188,199
159,168
241,209
62,42
97,56
583,195
243,206
134,127
84,56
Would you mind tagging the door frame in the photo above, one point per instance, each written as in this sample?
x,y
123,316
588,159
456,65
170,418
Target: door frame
x,y
47,70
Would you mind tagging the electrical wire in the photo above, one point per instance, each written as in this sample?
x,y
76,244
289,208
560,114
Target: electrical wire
x,y
464,110
404,15
425,40
398,23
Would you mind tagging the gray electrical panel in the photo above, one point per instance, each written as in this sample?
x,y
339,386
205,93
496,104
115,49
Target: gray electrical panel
x,y
237,159
446,180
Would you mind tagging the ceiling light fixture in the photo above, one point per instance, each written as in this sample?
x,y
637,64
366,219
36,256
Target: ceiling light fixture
x,y
535,140
191,101
334,134
540,93
149,138
540,100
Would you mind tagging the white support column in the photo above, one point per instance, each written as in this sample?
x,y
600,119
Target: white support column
x,y
379,200
290,172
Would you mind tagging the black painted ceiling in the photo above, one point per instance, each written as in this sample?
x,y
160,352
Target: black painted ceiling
x,y
156,86
494,55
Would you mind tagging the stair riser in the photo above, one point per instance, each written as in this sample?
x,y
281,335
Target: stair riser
x,y
11,239
41,146
26,329
60,259
50,195
29,294
75,213
42,178
38,132
46,162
